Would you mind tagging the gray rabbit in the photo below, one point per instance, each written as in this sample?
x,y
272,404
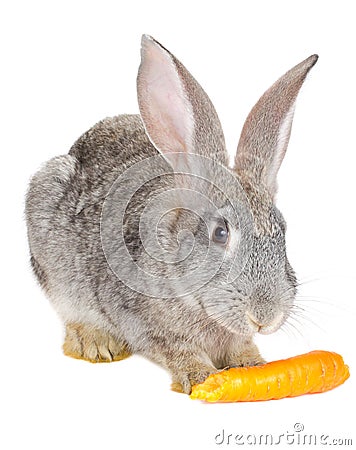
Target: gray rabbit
x,y
162,286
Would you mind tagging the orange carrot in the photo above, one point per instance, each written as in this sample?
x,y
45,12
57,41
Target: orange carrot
x,y
317,371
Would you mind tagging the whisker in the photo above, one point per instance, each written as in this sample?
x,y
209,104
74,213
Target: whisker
x,y
323,301
302,309
310,279
297,316
290,330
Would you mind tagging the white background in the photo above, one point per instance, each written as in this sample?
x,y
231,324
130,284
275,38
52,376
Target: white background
x,y
66,65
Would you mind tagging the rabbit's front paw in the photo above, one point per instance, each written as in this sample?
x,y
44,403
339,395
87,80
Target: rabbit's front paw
x,y
183,381
93,344
249,357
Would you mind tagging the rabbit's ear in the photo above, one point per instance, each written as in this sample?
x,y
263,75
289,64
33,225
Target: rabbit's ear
x,y
177,114
266,132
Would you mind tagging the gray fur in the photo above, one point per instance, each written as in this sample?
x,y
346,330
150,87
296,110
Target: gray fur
x,y
190,335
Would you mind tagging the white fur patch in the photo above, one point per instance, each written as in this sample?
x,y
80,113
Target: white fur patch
x,y
233,242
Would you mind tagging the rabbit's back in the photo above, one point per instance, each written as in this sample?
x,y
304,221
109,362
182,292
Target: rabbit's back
x,y
66,185
63,210
112,145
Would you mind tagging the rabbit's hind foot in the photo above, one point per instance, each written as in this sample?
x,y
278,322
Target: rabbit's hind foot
x,y
93,344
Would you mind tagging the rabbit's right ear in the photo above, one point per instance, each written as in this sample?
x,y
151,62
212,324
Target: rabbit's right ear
x,y
266,132
177,114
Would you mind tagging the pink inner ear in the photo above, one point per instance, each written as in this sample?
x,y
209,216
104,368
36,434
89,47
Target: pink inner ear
x,y
165,110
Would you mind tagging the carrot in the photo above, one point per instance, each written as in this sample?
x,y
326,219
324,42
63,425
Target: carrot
x,y
313,372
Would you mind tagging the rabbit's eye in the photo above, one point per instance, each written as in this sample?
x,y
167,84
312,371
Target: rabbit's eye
x,y
221,234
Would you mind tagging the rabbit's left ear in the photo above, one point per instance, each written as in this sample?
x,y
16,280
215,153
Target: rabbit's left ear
x,y
265,135
177,114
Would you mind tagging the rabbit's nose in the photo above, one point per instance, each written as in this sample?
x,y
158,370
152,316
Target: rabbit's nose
x,y
264,326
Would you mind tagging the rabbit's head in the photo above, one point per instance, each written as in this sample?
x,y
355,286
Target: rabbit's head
x,y
223,235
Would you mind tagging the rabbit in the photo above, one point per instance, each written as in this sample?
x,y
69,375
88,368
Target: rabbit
x,y
91,261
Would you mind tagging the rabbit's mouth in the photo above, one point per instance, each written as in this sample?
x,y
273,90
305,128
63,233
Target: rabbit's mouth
x,y
264,326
